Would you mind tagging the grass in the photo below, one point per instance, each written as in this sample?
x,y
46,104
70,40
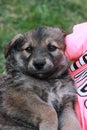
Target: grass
x,y
18,16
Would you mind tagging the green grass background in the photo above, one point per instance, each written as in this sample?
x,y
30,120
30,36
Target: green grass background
x,y
18,16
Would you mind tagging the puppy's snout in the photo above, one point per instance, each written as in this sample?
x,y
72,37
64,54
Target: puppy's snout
x,y
39,64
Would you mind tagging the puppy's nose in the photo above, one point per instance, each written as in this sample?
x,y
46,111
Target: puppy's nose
x,y
39,64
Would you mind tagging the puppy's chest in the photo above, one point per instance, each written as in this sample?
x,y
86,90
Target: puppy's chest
x,y
49,92
55,98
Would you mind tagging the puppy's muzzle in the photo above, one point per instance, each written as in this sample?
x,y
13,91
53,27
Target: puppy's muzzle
x,y
39,64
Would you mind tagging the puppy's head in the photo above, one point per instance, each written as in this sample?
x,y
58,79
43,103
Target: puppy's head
x,y
39,52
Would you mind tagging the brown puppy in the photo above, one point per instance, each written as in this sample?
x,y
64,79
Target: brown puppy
x,y
36,92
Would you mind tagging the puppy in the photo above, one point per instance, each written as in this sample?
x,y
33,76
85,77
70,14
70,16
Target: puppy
x,y
36,92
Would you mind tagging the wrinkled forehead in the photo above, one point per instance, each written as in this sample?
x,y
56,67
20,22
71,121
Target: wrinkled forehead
x,y
42,33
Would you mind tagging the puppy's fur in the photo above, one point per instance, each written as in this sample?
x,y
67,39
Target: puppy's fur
x,y
36,91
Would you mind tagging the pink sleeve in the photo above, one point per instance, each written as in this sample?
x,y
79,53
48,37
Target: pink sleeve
x,y
76,42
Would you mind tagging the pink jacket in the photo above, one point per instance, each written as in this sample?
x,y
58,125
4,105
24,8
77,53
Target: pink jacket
x,y
76,50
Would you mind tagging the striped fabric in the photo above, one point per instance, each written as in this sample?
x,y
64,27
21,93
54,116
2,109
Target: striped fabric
x,y
78,71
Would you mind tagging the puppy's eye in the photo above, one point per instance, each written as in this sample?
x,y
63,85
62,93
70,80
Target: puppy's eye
x,y
51,47
29,49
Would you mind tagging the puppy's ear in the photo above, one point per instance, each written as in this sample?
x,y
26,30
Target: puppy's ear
x,y
64,33
13,44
